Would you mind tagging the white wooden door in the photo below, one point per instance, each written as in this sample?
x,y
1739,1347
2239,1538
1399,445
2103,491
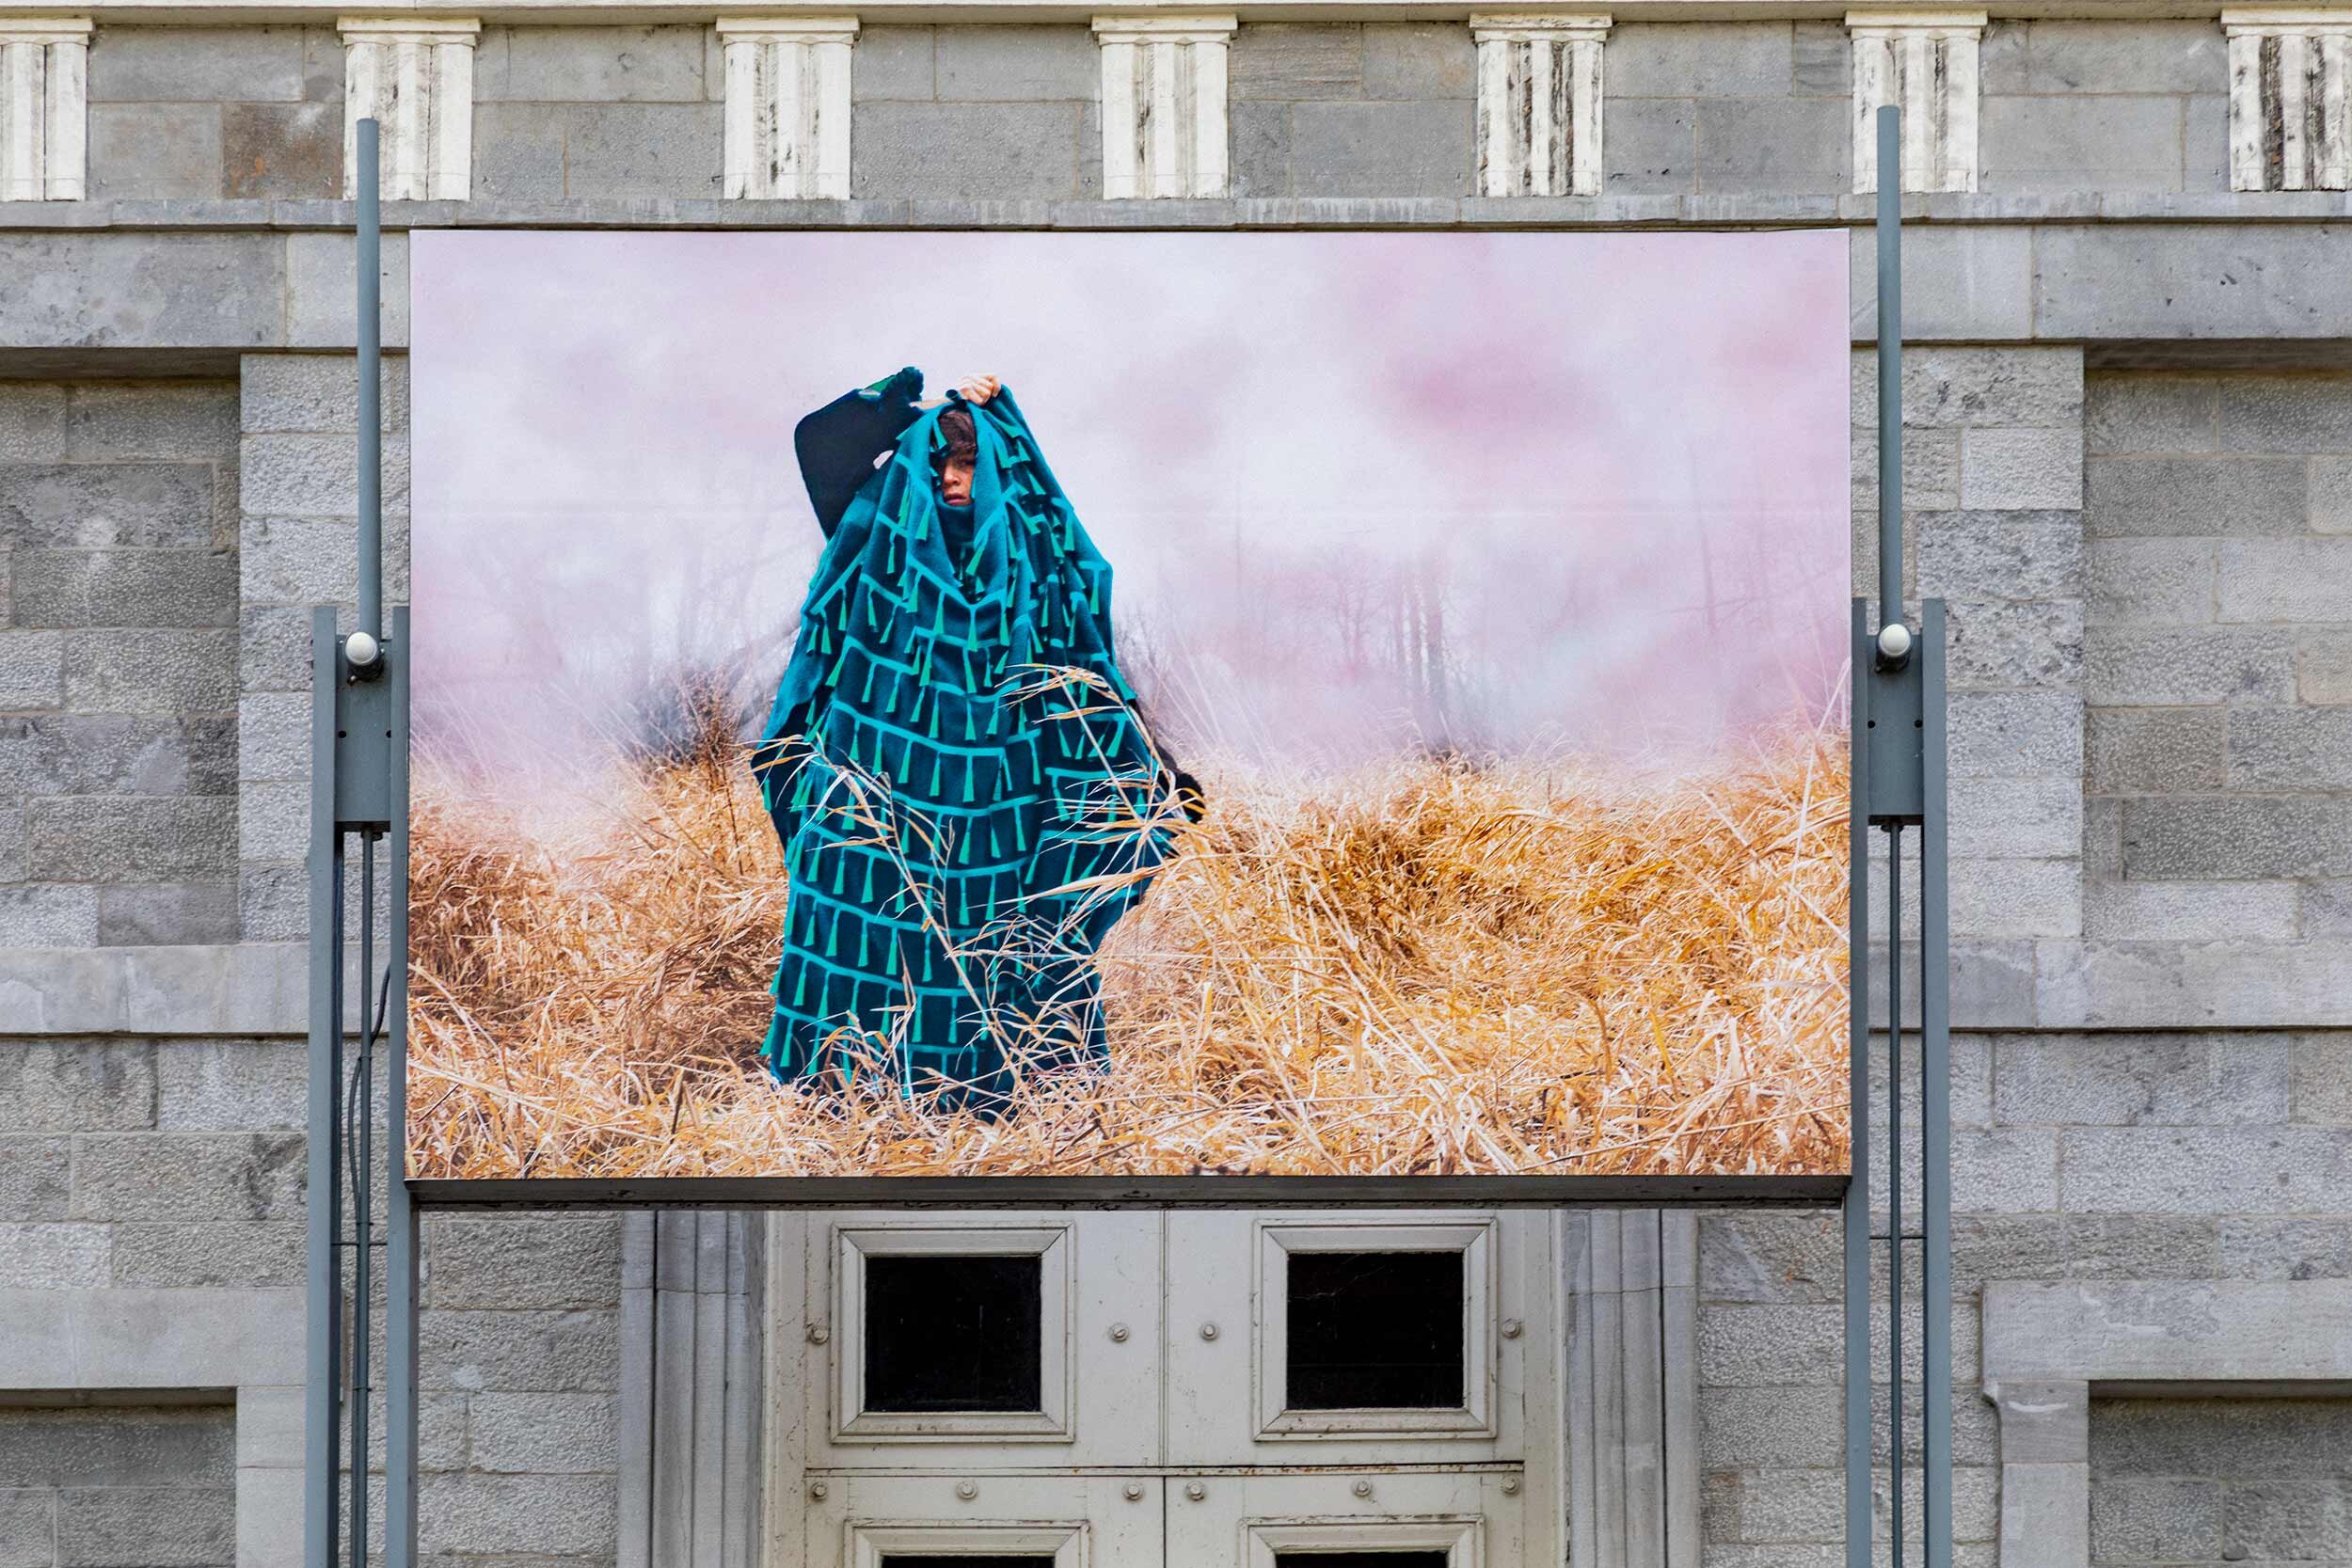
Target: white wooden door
x,y
1194,1390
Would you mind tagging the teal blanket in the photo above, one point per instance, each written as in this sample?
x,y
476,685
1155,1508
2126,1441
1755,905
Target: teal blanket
x,y
966,799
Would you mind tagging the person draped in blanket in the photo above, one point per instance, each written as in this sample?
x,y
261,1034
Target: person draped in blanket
x,y
966,797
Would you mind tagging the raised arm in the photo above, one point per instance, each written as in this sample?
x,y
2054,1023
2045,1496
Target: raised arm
x,y
838,444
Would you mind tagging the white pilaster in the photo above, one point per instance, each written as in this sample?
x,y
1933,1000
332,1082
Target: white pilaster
x,y
1539,101
787,116
414,76
44,108
1925,62
1164,125
2290,124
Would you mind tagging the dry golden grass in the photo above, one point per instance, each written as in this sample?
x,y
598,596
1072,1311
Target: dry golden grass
x,y
1419,967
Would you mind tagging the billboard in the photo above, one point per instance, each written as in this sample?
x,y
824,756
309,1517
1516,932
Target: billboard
x,y
1130,705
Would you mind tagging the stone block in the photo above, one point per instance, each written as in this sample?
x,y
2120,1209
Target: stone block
x,y
2188,666
2149,583
2020,469
160,672
2155,751
2246,1440
1784,146
196,65
206,1086
1281,61
524,1261
32,671
2005,1170
1381,148
251,1176
2235,838
1965,283
2286,414
1651,145
1261,154
229,1255
313,476
1714,59
642,150
2190,911
48,916
2328,907
104,1446
1931,474
15,841
2176,281
2189,497
1999,555
53,1257
301,561
1420,60
521,1352
2331,495
1018,64
516,1515
1764,1257
2152,411
318,298
169,1526
106,506
1000,151
128,839
155,151
2323,1079
32,421
2291,747
1752,1428
274,735
2102,142
102,288
2023,819
2141,1079
2274,1246
544,1433
2285,579
77,1085
2016,898
518,152
2149,56
593,65
2242,984
82,753
2301,1521
2128,1247
315,394
271,824
273,901
124,588
2015,642
36,1178
2016,733
1765,1346
2182,1170
2001,58
282,152
110,421
2102,840
895,63
1822,60
2207,142
2155,1519
1995,388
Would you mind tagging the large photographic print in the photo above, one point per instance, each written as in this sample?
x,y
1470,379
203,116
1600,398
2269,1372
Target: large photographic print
x,y
928,703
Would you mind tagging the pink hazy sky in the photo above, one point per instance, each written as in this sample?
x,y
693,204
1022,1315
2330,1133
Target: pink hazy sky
x,y
1613,442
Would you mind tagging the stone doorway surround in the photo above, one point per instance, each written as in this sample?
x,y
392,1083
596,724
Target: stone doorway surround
x,y
2050,1346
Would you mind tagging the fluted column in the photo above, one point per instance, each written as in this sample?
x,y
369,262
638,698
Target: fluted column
x,y
414,75
2290,124
44,108
787,117
1163,116
1539,101
1926,62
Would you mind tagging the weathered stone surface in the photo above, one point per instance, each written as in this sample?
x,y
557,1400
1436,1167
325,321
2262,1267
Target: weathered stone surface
x,y
319,301
593,65
128,839
53,1257
236,1255
518,152
2030,470
2273,1247
543,1433
163,290
187,1177
2291,747
48,916
1018,64
113,421
1995,388
1959,283
521,1352
2106,142
1418,60
77,1085
197,65
32,671
524,1262
2155,751
1009,151
2155,1519
282,152
206,1086
2141,1079
2286,414
2323,1079
32,422
893,62
36,1178
2014,733
2016,898
642,150
1823,60
2145,581
2002,643
171,1525
2155,56
106,505
314,394
2235,838
84,754
2192,495
1764,1346
162,672
1782,144
1752,59
2124,281
155,152
2208,1171
2191,911
2149,412
124,588
1747,1427
516,1514
1380,149
1261,165
2154,984
2177,666
1651,145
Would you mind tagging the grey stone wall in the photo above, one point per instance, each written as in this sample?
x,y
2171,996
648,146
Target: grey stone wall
x,y
118,659
1728,107
91,1484
1352,109
200,113
2201,1482
2075,106
993,114
596,112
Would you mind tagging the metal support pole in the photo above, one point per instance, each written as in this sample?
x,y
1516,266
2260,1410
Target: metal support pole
x,y
1935,1109
323,1330
1890,342
371,325
1857,1209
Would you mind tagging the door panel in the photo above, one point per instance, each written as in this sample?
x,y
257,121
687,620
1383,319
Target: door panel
x,y
1071,1521
1289,1521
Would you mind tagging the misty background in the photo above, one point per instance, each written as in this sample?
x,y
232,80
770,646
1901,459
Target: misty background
x,y
1362,493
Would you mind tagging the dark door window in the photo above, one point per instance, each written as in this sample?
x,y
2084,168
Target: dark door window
x,y
1375,1331
948,1334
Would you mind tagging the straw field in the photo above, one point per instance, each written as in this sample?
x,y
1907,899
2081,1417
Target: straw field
x,y
1422,966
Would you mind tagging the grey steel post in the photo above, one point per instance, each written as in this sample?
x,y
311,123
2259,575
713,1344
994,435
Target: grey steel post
x,y
1935,1112
370,322
1890,342
401,1241
1857,1209
322,1331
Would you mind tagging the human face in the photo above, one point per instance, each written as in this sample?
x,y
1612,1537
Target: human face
x,y
955,482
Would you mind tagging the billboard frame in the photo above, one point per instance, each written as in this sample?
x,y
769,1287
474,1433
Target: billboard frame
x,y
359,789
